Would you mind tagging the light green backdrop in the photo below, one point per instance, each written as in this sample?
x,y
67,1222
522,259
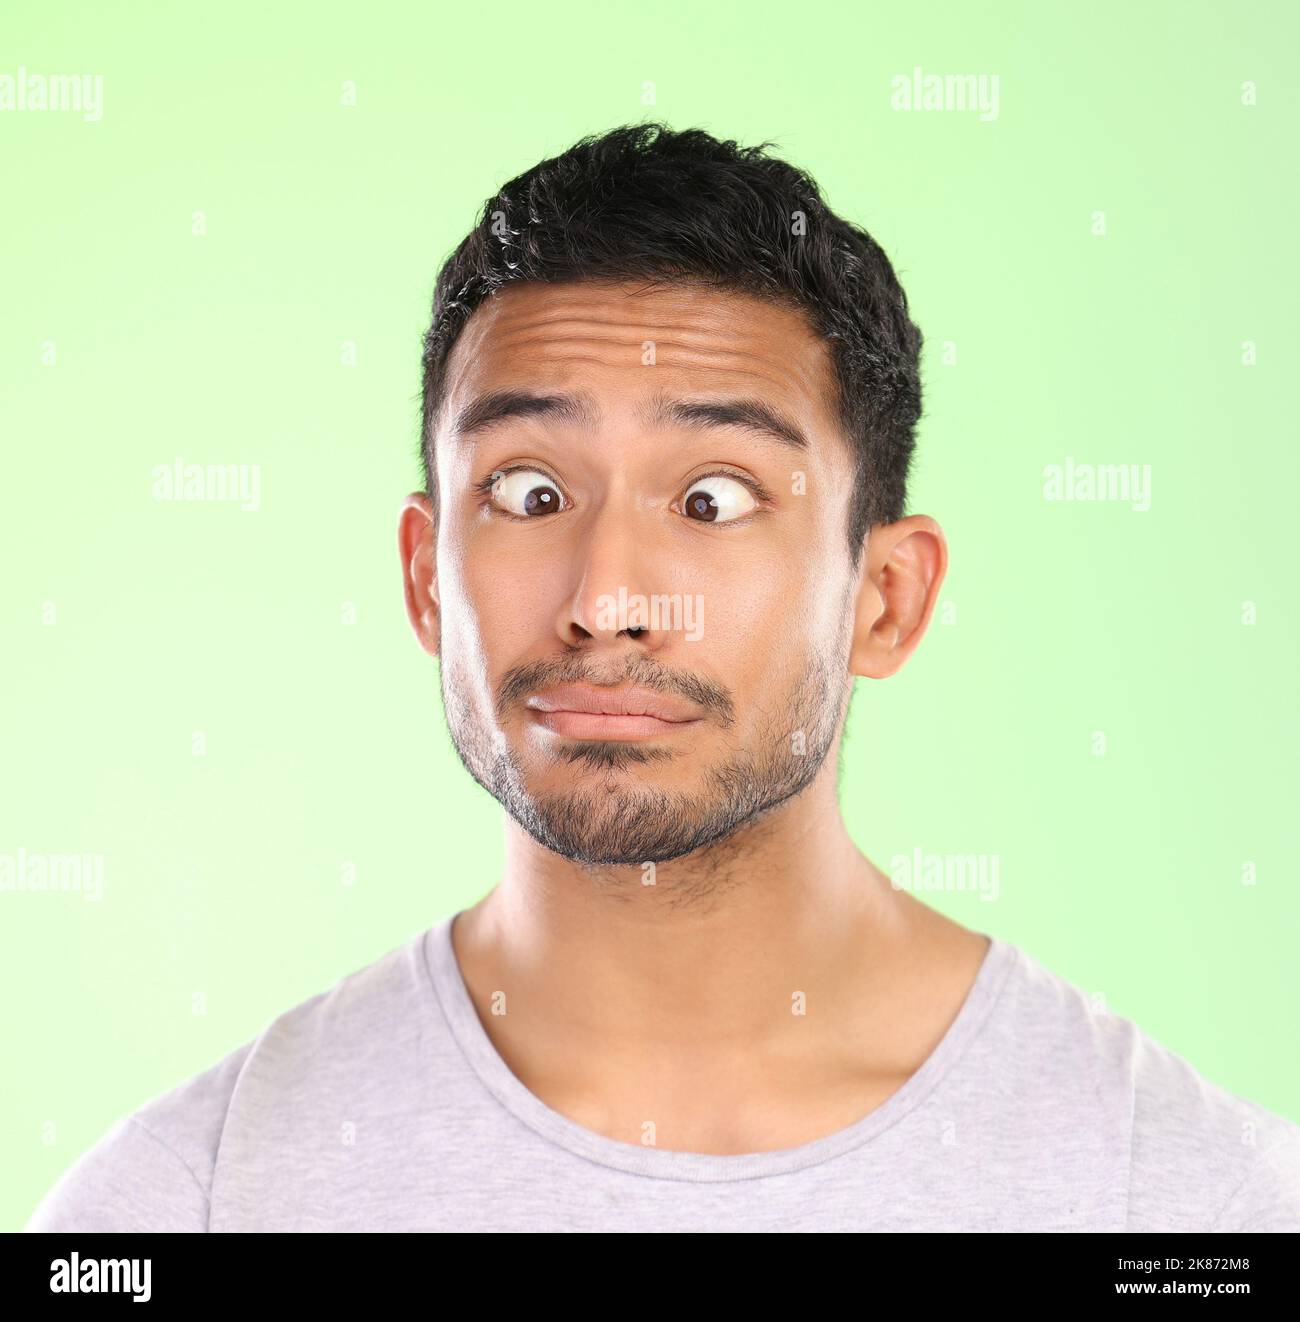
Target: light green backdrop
x,y
128,624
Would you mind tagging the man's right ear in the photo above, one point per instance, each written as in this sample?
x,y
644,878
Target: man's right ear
x,y
416,530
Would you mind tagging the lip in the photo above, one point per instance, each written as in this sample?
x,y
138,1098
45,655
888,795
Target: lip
x,y
581,711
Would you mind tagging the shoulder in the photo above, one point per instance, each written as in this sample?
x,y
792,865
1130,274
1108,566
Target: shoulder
x,y
154,1170
151,1170
1204,1157
1194,1155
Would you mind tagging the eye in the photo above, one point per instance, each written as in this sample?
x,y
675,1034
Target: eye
x,y
525,493
718,498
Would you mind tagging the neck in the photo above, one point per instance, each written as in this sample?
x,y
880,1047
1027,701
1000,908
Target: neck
x,y
711,953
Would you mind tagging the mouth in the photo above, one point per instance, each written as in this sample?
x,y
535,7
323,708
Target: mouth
x,y
581,711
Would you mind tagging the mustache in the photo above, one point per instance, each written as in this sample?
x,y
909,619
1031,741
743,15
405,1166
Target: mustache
x,y
520,681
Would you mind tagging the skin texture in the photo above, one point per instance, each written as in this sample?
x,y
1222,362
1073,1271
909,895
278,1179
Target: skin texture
x,y
671,1002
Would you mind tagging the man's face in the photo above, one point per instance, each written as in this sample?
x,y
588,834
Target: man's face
x,y
700,560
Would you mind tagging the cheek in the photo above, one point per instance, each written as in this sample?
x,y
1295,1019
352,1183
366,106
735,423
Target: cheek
x,y
755,606
755,631
496,604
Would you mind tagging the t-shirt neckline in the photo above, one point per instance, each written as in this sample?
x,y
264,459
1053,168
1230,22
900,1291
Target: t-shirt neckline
x,y
452,995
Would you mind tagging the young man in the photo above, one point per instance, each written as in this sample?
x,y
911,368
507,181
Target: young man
x,y
669,402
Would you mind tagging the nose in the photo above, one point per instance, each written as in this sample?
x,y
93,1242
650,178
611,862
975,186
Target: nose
x,y
614,594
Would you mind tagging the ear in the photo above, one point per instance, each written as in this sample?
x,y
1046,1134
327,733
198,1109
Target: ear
x,y
905,566
417,528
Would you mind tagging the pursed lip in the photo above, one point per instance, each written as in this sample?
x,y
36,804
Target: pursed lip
x,y
629,700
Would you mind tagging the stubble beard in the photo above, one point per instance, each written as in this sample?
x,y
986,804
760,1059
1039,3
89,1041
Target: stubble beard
x,y
610,819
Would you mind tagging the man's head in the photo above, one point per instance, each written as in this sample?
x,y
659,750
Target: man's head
x,y
664,389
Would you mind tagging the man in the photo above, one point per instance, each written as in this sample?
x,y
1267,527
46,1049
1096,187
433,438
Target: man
x,y
669,405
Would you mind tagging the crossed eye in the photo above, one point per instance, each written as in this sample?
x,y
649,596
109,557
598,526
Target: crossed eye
x,y
522,493
715,498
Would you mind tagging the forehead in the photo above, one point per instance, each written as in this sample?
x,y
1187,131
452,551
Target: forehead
x,y
623,342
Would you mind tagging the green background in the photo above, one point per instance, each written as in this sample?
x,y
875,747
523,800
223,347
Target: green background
x,y
226,894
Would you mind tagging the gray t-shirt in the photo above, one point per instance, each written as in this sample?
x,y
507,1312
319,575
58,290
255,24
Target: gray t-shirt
x,y
381,1104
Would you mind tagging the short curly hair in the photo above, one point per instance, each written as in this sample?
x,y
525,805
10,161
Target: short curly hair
x,y
643,201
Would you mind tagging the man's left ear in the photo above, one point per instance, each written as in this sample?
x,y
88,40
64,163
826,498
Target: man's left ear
x,y
905,566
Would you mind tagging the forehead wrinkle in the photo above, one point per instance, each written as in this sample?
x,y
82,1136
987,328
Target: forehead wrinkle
x,y
783,369
706,316
703,339
588,334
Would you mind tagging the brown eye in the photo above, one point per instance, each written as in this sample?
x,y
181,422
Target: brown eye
x,y
718,499
527,494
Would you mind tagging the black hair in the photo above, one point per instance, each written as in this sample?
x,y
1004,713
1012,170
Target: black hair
x,y
645,201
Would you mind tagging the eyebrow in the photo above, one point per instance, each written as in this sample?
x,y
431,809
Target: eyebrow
x,y
751,415
579,409
485,411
